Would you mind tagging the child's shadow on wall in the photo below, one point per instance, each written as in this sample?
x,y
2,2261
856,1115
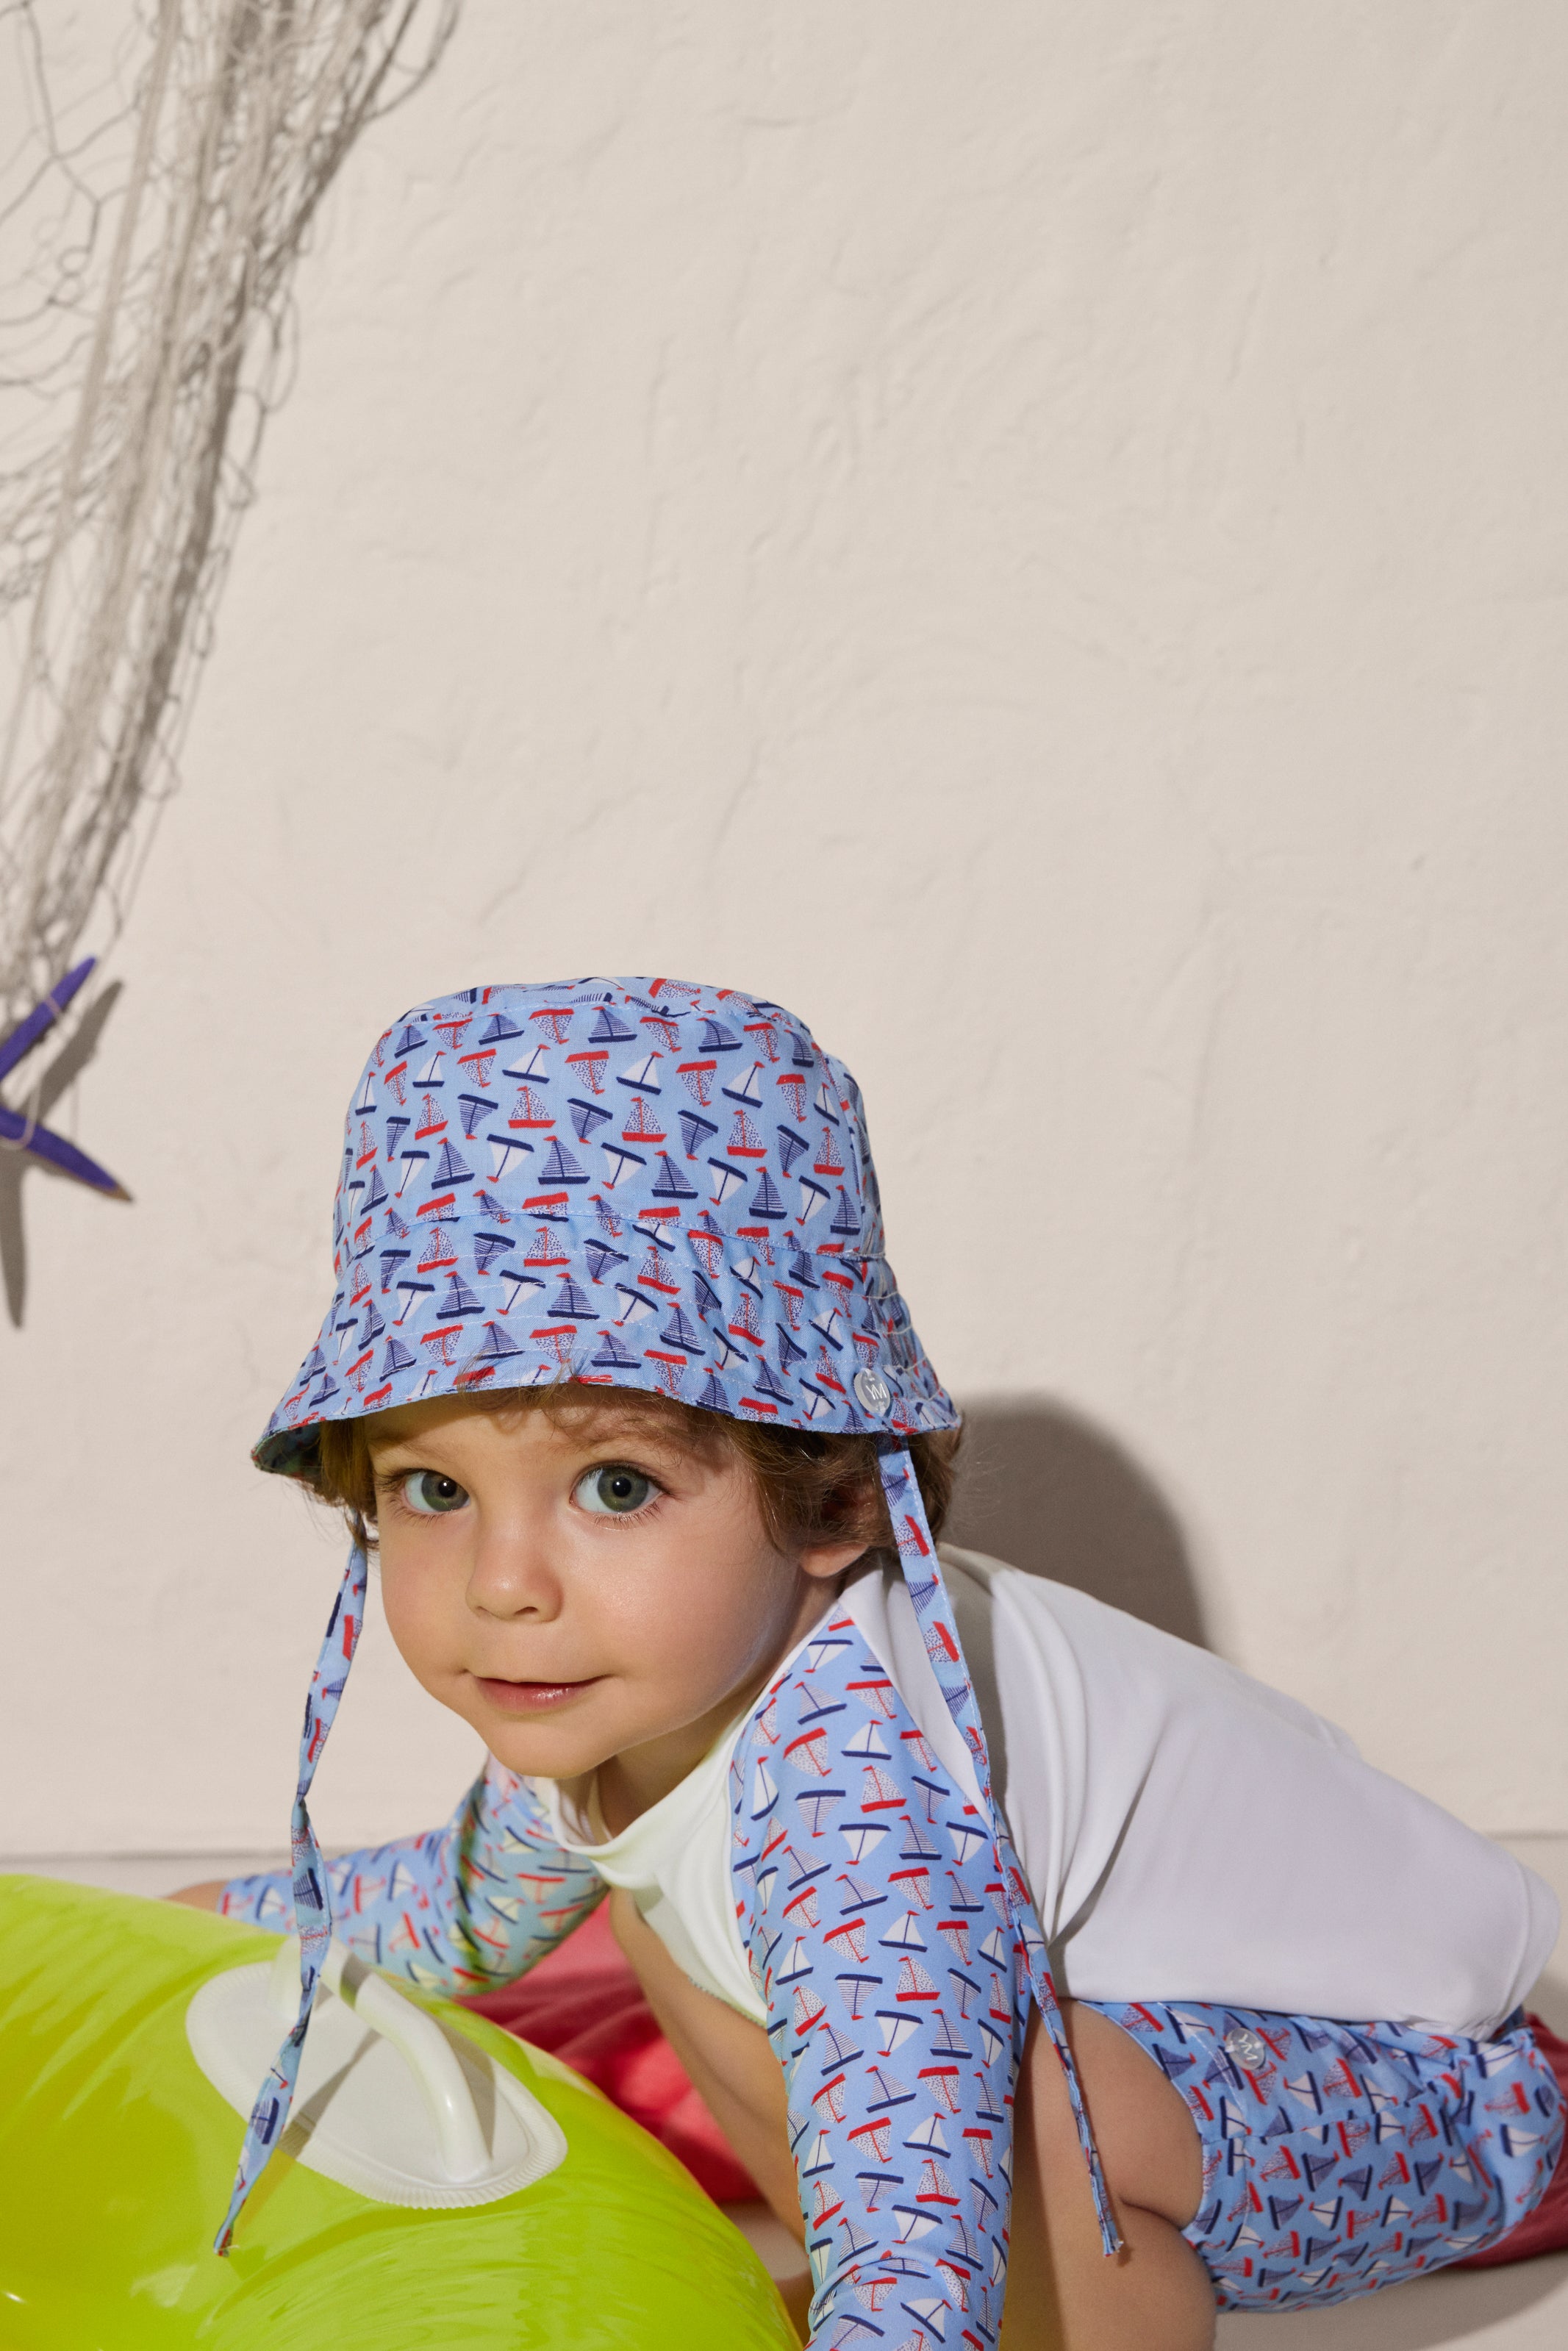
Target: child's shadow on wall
x,y
1045,1490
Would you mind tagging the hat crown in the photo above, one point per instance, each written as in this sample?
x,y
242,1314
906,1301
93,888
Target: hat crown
x,y
640,1181
658,1068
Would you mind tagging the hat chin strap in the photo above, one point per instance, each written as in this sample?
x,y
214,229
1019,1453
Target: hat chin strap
x,y
312,1892
934,1614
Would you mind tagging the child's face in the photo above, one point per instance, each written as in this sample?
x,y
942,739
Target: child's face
x,y
582,1586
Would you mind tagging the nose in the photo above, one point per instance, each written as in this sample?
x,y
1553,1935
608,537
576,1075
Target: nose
x,y
512,1577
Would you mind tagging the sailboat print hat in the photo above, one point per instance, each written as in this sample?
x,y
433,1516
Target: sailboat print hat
x,y
642,1183
637,1182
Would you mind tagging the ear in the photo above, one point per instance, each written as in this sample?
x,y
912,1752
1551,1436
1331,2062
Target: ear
x,y
824,1560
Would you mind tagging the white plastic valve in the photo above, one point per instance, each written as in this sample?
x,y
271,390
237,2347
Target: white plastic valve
x,y
391,2101
417,2038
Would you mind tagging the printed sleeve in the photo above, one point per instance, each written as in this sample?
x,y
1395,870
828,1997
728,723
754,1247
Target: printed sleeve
x,y
869,1900
460,1908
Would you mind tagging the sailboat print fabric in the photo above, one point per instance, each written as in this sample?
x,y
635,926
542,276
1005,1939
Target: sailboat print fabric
x,y
1340,2158
898,1973
637,1182
309,1899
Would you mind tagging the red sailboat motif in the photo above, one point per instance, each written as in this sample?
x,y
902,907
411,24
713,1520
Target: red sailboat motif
x,y
913,1983
530,1110
746,1140
641,1126
589,1068
545,1250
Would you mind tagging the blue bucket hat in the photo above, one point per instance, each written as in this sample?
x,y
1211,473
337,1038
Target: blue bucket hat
x,y
639,1182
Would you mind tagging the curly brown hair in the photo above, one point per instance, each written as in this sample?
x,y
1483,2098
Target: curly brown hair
x,y
811,1487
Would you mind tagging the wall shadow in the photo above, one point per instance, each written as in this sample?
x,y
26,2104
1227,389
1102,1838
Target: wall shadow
x,y
16,1166
1043,1489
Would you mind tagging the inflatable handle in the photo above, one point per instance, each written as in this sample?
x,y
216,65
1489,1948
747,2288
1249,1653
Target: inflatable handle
x,y
417,2038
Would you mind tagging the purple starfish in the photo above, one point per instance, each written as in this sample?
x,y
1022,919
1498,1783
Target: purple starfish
x,y
26,1134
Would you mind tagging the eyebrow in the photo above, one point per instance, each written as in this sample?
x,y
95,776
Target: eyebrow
x,y
415,1441
628,1424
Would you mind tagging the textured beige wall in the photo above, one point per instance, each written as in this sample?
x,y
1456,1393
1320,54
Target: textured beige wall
x,y
1034,535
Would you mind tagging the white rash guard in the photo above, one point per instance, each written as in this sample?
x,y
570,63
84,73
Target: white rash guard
x,y
1186,1832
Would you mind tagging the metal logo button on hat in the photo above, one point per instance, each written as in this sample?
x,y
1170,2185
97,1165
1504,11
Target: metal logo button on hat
x,y
872,1392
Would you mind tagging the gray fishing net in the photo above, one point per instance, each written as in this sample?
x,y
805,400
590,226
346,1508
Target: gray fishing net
x,y
154,201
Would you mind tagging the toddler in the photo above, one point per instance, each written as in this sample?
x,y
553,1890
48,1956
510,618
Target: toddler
x,y
1021,1949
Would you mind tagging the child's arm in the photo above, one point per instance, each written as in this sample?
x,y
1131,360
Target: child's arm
x,y
871,1907
460,1908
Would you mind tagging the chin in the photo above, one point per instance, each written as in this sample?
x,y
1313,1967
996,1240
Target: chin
x,y
538,1750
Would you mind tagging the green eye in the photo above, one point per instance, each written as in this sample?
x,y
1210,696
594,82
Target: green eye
x,y
430,1495
613,1490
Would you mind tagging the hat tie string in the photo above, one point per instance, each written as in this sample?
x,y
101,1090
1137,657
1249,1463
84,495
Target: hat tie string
x,y
312,1890
934,1614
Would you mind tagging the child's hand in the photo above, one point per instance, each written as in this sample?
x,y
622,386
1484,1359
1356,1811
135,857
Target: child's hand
x,y
200,1897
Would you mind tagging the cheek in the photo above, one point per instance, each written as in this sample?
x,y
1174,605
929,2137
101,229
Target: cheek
x,y
706,1620
418,1602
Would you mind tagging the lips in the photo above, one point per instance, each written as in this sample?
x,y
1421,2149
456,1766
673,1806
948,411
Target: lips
x,y
531,1698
